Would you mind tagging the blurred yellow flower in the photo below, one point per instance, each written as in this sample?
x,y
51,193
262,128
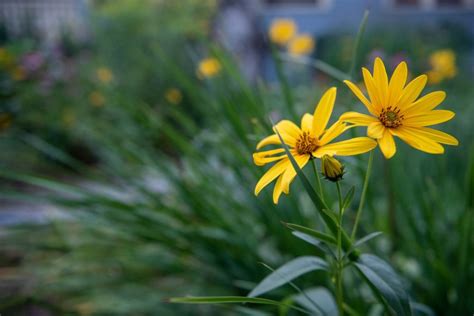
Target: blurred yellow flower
x,y
208,67
301,45
282,31
104,75
68,118
173,96
6,59
5,121
311,140
331,168
397,112
18,74
443,65
96,98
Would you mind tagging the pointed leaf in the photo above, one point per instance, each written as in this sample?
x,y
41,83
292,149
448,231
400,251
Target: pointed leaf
x,y
230,299
362,241
316,234
287,272
348,198
318,300
313,241
385,282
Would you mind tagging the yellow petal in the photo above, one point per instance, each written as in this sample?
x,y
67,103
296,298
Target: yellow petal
x,y
288,128
372,90
264,157
269,140
397,82
433,134
290,173
277,189
323,111
387,144
271,174
425,103
375,130
334,131
381,80
354,146
428,118
358,118
307,122
415,139
412,91
361,96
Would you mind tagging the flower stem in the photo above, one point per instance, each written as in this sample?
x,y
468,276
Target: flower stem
x,y
340,263
364,192
320,187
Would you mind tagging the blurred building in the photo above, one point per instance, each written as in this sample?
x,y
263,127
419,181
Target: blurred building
x,y
44,19
324,16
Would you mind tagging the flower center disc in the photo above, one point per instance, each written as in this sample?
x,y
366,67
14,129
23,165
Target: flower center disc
x,y
306,144
391,117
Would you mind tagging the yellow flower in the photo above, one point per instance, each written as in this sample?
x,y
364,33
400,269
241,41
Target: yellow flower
x,y
397,112
301,45
6,59
104,75
173,96
331,168
208,67
311,140
18,74
434,77
5,121
443,62
282,30
96,99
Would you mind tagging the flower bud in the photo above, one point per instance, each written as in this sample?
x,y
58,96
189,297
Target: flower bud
x,y
331,168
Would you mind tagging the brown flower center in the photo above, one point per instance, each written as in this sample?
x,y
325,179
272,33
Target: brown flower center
x,y
391,117
306,144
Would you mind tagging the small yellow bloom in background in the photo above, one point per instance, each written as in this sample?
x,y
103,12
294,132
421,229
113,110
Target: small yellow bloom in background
x,y
18,74
173,96
96,98
208,67
443,62
301,45
434,77
68,118
5,121
104,75
6,59
331,168
282,31
397,111
311,140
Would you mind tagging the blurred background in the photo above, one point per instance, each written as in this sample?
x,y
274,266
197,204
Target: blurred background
x,y
126,137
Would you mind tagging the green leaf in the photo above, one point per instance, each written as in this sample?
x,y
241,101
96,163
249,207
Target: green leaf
x,y
362,241
366,238
317,201
385,283
313,241
316,234
222,300
421,309
287,273
318,300
348,198
230,299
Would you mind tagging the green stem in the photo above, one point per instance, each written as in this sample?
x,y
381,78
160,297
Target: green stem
x,y
318,179
364,192
339,265
285,87
355,53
